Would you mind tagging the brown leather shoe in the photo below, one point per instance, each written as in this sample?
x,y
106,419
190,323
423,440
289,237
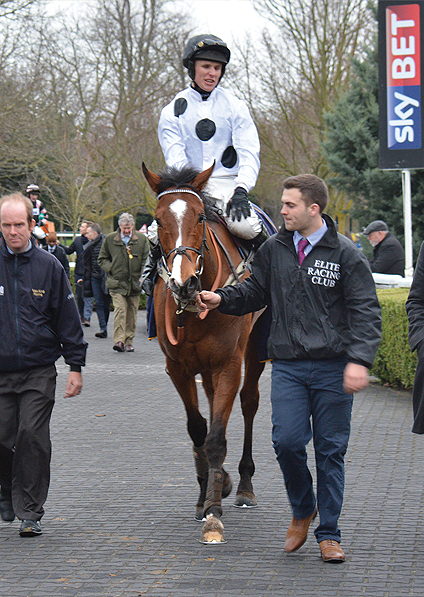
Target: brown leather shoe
x,y
298,532
331,551
119,347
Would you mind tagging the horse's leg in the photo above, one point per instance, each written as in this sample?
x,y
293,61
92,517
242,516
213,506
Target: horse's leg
x,y
196,426
249,396
209,391
225,383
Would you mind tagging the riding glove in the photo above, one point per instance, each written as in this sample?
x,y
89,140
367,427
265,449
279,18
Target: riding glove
x,y
239,205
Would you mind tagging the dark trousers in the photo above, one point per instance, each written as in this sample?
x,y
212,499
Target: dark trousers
x,y
26,404
418,392
102,302
301,391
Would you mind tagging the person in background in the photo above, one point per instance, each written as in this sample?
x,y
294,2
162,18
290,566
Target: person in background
x,y
77,246
55,249
415,312
388,256
94,279
325,332
39,323
122,257
39,212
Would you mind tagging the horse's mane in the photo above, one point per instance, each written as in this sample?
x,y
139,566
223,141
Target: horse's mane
x,y
176,178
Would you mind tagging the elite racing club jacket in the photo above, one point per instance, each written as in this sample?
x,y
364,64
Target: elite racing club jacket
x,y
38,314
325,308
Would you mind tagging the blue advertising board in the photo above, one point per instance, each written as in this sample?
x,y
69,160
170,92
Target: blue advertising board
x,y
400,89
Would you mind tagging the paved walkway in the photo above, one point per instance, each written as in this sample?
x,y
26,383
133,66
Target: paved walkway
x,y
119,517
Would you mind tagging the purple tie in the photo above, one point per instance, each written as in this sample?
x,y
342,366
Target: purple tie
x,y
301,249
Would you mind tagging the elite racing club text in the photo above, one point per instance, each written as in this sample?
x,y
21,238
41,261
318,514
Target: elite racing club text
x,y
324,273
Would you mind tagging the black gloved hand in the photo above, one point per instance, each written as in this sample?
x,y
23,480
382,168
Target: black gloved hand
x,y
239,205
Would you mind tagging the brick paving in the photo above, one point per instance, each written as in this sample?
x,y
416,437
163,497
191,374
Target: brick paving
x,y
119,517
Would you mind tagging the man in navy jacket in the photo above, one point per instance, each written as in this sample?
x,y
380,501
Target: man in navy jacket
x,y
40,322
325,331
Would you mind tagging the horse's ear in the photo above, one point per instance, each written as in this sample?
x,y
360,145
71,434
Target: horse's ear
x,y
201,179
152,179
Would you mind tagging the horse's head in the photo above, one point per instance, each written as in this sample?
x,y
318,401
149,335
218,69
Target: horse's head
x,y
181,219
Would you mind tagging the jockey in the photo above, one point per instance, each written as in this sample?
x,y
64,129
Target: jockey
x,y
39,211
205,124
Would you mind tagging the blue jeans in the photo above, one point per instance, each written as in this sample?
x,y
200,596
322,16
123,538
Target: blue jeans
x,y
102,302
302,390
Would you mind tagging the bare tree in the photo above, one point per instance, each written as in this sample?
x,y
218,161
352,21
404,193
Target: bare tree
x,y
299,72
110,73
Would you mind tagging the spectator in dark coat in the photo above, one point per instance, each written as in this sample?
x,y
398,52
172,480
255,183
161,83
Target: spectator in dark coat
x,y
39,323
95,278
415,312
77,246
56,250
389,256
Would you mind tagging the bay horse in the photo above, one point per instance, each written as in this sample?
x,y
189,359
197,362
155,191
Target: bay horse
x,y
199,253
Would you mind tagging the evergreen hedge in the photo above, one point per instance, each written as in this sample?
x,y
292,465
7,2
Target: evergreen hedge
x,y
394,363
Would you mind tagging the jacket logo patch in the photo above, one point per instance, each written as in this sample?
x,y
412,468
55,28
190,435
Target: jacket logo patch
x,y
324,273
38,292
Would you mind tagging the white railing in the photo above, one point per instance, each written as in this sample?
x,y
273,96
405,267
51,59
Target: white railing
x,y
391,280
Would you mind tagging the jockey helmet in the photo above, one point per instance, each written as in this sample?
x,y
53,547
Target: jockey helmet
x,y
33,188
205,47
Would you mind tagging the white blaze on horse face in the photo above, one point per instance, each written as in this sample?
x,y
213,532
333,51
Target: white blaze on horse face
x,y
178,208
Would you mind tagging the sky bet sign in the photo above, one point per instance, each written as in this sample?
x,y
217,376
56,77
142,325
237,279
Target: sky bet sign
x,y
400,89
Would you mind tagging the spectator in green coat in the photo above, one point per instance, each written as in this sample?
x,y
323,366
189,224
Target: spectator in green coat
x,y
122,257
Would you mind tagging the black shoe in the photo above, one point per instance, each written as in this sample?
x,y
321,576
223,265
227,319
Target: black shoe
x,y
30,528
6,509
102,334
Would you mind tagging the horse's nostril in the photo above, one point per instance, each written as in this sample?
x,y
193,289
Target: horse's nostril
x,y
173,285
192,284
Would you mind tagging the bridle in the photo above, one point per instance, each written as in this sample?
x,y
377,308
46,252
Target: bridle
x,y
182,250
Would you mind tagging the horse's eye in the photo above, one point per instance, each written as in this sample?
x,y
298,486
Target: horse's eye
x,y
202,218
158,223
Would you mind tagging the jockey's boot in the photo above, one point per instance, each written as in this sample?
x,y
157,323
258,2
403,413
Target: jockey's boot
x,y
252,245
261,238
148,276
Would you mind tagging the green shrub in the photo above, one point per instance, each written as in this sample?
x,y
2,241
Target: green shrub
x,y
394,364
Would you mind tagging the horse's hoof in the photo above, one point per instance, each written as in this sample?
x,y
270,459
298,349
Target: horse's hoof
x,y
245,500
213,531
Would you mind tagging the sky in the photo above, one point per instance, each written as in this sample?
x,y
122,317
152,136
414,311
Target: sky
x,y
228,19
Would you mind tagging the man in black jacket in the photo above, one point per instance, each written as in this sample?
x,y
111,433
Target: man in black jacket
x,y
39,323
388,256
325,331
94,279
77,246
415,312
